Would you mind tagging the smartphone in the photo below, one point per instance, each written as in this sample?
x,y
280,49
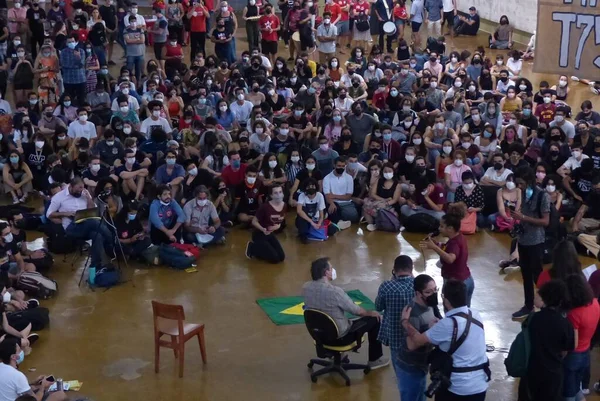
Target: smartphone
x,y
50,379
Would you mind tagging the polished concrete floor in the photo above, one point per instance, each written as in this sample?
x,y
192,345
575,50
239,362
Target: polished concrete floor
x,y
105,338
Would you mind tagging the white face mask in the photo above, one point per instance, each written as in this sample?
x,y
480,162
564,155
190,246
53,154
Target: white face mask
x,y
454,60
295,159
447,149
272,163
334,64
127,130
439,126
472,88
433,84
39,144
333,274
417,141
547,100
223,108
8,238
512,121
83,118
259,131
523,87
131,160
550,188
562,83
310,166
124,109
194,171
6,297
510,185
475,117
499,62
202,202
469,186
388,176
466,145
95,168
458,162
409,158
576,154
251,180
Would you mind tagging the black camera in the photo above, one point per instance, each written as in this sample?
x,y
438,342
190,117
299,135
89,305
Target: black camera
x,y
438,380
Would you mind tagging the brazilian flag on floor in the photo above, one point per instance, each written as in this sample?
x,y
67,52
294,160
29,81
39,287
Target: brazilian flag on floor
x,y
290,310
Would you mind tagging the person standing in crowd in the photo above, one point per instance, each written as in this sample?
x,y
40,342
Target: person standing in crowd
x,y
384,13
321,295
198,16
136,48
72,62
534,216
36,17
454,254
471,382
327,34
270,27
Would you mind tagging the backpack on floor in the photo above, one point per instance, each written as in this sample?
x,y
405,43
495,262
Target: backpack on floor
x,y
517,360
107,277
421,223
36,285
151,254
194,250
38,317
387,221
56,240
42,265
176,258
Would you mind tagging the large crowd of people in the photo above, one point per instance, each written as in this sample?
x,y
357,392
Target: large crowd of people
x,y
180,150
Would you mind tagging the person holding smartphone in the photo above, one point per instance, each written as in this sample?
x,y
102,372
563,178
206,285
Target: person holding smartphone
x,y
130,231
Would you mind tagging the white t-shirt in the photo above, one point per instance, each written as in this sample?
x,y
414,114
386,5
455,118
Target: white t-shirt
x,y
141,21
515,65
261,146
493,175
133,104
342,185
448,5
343,105
241,111
572,163
12,383
312,207
149,125
78,130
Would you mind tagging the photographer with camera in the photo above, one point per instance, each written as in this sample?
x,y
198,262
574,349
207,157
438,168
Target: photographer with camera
x,y
459,366
533,218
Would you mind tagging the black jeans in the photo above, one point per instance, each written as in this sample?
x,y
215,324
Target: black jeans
x,y
266,247
77,93
197,44
530,260
389,38
159,237
371,326
445,395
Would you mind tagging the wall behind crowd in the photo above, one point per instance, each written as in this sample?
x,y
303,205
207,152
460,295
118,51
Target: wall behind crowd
x,y
522,14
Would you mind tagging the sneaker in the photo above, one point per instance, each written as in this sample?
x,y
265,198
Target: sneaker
x,y
33,303
371,227
16,200
344,224
379,363
508,263
32,338
228,224
585,391
576,79
522,313
248,254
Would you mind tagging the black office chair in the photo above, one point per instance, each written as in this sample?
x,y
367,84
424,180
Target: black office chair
x,y
324,331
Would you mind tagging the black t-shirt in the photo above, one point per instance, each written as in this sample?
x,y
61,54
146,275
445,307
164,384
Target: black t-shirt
x,y
102,173
593,203
251,154
278,146
553,334
531,123
248,197
595,156
512,167
127,229
415,177
35,18
302,176
405,169
36,160
108,14
353,149
202,178
582,182
7,251
588,148
593,118
539,98
19,239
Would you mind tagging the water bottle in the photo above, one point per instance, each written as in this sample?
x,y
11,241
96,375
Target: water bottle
x,y
92,275
59,381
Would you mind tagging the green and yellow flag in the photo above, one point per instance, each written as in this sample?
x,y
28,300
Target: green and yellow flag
x,y
290,310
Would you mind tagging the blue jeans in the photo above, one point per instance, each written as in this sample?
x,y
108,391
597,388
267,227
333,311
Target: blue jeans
x,y
491,219
407,211
136,62
411,381
470,284
101,54
574,367
91,229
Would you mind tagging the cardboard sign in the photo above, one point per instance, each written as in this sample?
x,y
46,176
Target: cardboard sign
x,y
568,38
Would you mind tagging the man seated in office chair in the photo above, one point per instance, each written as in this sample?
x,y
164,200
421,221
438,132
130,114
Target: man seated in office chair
x,y
321,295
65,204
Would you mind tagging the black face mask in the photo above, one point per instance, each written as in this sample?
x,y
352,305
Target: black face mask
x,y
348,138
312,190
374,150
596,145
420,169
222,190
498,166
503,79
219,152
255,90
48,114
432,300
554,153
339,170
449,107
357,112
355,84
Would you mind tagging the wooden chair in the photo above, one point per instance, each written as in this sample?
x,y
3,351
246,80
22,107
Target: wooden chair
x,y
169,320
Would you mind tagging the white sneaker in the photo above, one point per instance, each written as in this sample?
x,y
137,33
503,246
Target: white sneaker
x,y
585,391
380,363
574,78
343,224
371,227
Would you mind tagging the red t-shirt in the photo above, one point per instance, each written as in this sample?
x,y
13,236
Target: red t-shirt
x,y
545,113
585,320
83,34
233,178
361,8
267,216
438,196
269,21
543,278
379,99
343,3
459,269
198,23
400,12
210,5
335,11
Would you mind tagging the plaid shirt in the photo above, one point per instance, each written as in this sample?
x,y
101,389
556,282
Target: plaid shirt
x,y
73,68
392,297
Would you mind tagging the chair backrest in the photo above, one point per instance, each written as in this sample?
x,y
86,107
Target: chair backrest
x,y
321,326
169,312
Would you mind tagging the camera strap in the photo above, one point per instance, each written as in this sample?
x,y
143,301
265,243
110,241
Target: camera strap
x,y
455,344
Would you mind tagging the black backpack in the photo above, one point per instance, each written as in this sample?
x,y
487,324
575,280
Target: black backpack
x,y
56,240
421,223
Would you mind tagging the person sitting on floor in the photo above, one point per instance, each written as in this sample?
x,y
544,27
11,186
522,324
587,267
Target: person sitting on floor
x,y
428,198
39,257
310,211
202,224
248,196
269,219
130,231
338,187
321,295
166,217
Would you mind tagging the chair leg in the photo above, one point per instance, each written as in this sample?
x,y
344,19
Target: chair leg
x,y
174,345
320,362
156,355
181,357
353,366
202,346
